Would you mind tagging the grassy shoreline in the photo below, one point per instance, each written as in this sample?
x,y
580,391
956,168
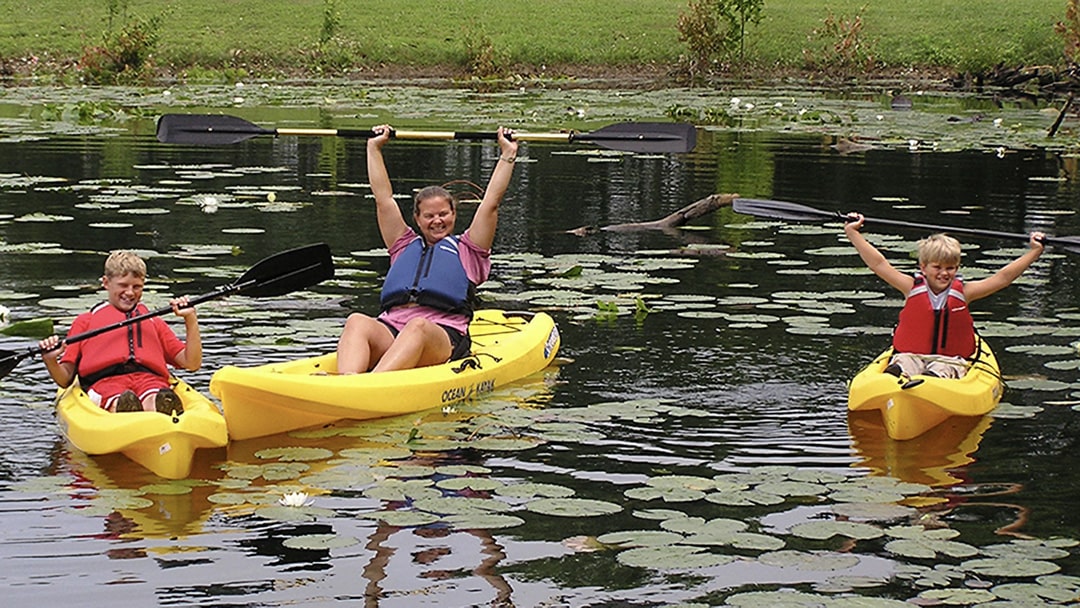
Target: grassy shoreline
x,y
202,40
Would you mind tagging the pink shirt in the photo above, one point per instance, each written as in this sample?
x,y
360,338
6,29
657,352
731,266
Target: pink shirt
x,y
477,263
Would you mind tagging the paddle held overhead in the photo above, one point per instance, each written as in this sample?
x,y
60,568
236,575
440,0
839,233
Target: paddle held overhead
x,y
794,212
216,129
276,275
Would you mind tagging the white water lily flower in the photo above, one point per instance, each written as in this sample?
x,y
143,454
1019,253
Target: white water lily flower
x,y
295,499
997,122
209,204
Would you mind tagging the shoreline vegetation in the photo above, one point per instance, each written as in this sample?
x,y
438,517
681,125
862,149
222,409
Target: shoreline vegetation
x,y
1028,45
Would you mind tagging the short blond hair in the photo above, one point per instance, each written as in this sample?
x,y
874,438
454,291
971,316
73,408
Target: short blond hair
x,y
122,262
939,248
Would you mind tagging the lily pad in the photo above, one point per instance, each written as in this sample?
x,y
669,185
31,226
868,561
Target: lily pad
x,y
672,557
1009,567
822,530
484,521
572,507
319,542
402,519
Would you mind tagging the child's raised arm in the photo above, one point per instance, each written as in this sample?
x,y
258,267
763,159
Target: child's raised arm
x,y
873,258
1003,278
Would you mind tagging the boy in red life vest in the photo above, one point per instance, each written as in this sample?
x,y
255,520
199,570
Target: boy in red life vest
x,y
126,369
936,333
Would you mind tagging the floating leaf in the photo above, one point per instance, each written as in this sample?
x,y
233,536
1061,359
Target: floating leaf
x,y
959,597
533,490
815,561
39,328
457,505
484,521
319,542
1009,567
822,530
402,519
640,538
294,453
477,484
670,494
672,557
1024,549
572,507
776,599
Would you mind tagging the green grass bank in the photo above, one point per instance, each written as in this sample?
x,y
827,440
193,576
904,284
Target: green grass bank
x,y
196,38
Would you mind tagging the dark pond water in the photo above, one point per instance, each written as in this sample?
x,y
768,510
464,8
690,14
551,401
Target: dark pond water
x,y
726,401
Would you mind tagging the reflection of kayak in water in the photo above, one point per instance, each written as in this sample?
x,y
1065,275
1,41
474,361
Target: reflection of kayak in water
x,y
163,444
280,397
122,491
934,458
926,401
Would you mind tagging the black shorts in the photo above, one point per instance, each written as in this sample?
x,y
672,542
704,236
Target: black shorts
x,y
460,344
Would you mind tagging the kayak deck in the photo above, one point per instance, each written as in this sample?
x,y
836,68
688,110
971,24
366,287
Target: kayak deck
x,y
281,397
163,444
928,400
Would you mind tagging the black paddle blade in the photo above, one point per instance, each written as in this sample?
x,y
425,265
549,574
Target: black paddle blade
x,y
206,129
9,360
782,210
647,137
287,271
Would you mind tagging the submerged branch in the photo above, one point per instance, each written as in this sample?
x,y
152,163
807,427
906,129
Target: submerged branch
x,y
690,212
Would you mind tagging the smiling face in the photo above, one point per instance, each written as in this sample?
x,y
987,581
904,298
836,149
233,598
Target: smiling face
x,y
125,275
939,261
435,216
939,275
124,291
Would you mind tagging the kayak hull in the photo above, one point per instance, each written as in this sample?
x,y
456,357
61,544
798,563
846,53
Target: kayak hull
x,y
281,397
163,444
910,412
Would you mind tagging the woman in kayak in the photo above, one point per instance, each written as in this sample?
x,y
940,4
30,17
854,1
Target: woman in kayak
x,y
427,298
936,333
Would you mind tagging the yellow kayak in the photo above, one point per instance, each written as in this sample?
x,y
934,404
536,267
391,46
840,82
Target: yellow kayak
x,y
928,400
281,397
164,444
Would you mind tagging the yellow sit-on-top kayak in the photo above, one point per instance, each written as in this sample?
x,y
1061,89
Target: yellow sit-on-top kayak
x,y
281,397
164,444
911,406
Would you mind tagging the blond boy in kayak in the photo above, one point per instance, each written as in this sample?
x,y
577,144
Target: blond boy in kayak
x,y
936,334
427,295
126,369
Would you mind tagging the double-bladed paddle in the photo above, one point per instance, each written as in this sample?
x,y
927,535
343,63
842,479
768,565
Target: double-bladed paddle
x,y
218,129
782,210
276,275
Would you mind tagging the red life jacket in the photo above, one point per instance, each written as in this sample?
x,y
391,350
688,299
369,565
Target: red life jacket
x,y
923,330
144,346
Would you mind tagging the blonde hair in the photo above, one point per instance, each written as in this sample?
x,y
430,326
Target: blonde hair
x,y
939,248
122,262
